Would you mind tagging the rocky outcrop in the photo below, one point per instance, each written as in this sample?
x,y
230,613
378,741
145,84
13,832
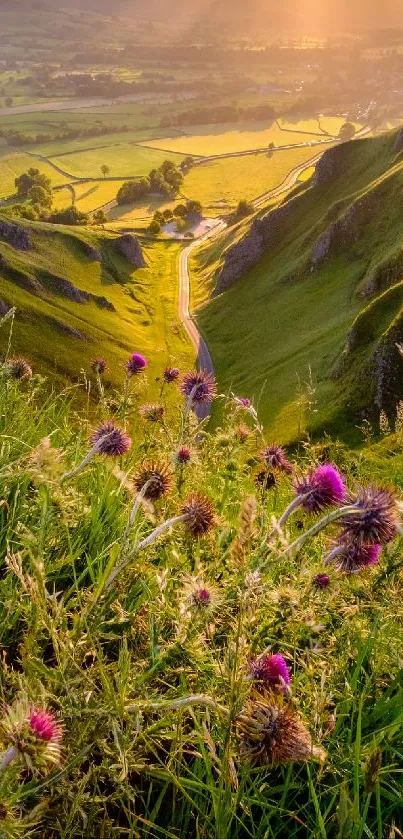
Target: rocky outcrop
x,y
398,145
65,329
64,288
3,308
388,369
246,253
130,247
330,166
19,278
383,276
14,235
345,231
92,252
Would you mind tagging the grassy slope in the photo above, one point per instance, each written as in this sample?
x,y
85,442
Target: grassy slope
x,y
145,301
296,320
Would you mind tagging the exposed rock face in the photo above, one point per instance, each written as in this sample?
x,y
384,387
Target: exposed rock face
x,y
398,146
383,276
247,252
64,288
16,236
129,246
3,308
92,252
388,367
330,166
25,281
344,232
65,329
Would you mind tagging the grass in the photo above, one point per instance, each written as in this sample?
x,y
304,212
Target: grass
x,y
222,138
219,185
148,684
145,301
298,320
125,161
13,165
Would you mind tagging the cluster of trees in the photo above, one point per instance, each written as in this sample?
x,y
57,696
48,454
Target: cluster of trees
x,y
244,208
18,138
219,113
166,181
347,131
35,186
183,214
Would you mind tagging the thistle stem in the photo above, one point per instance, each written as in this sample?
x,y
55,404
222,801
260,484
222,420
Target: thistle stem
x,y
133,514
184,702
320,525
8,757
88,457
334,554
145,543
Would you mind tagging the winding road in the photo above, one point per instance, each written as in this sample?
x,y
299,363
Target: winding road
x,y
204,360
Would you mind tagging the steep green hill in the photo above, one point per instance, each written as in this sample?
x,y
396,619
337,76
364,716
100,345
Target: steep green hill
x,y
307,299
79,295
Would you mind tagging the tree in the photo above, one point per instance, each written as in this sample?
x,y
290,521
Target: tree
x,y
40,196
347,131
180,211
168,215
9,101
154,228
105,170
244,208
99,217
159,218
194,209
69,216
181,225
32,178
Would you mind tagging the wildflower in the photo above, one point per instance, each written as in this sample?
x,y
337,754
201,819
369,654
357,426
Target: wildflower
x,y
265,480
242,402
202,597
153,480
18,367
271,733
200,514
375,520
321,580
32,734
270,671
136,364
199,386
275,457
352,557
152,413
320,488
242,433
111,440
98,365
183,456
170,374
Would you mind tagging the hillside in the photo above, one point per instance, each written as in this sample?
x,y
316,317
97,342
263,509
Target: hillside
x,y
324,273
82,294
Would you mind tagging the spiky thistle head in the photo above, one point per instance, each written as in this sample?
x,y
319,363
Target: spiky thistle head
x,y
242,433
200,514
271,733
183,456
321,488
270,671
276,458
99,365
153,480
355,556
199,386
152,412
136,364
265,480
376,520
171,374
321,581
18,367
199,596
110,439
34,734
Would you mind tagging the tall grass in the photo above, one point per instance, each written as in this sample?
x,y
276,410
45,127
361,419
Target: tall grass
x,y
148,685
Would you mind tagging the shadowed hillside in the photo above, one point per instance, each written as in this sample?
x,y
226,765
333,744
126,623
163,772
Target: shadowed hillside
x,y
308,299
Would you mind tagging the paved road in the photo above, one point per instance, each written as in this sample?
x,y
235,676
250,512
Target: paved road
x,y
204,360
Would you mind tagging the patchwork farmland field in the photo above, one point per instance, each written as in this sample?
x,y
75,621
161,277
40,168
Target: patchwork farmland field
x,y
125,161
220,184
12,165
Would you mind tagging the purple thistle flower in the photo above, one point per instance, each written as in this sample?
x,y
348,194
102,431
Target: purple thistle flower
x,y
18,367
320,488
321,581
201,597
376,519
44,725
242,401
98,365
170,374
275,457
110,439
270,671
183,455
136,364
355,556
199,386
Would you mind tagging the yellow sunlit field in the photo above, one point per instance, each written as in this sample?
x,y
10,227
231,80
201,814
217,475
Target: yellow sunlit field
x,y
125,160
13,165
221,139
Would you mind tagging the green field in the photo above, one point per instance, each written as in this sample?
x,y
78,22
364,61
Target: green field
x,y
12,165
125,161
298,320
145,301
220,184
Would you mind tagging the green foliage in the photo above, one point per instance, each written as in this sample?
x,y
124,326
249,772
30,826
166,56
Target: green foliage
x,y
164,181
244,208
33,178
71,215
147,684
